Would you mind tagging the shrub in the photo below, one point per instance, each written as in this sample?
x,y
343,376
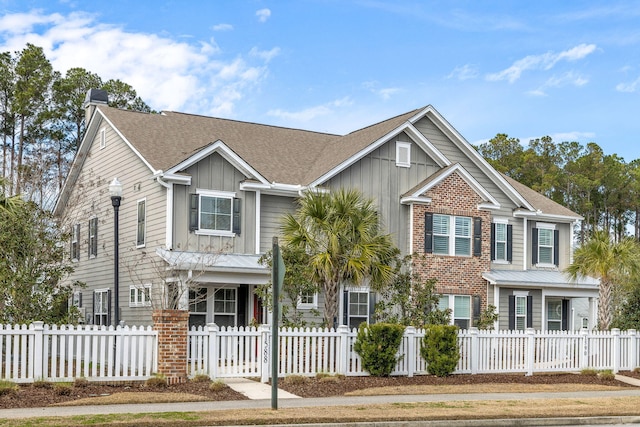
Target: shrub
x,y
80,382
201,378
378,346
157,381
440,349
7,388
62,389
607,375
217,385
589,372
295,379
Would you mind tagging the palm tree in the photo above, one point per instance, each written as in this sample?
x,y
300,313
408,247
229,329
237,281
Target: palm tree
x,y
341,232
611,262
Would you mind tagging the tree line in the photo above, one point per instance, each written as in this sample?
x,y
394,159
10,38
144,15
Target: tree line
x,y
42,121
602,188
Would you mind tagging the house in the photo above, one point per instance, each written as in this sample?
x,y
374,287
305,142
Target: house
x,y
203,197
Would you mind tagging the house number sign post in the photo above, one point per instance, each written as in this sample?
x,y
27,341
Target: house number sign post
x,y
277,278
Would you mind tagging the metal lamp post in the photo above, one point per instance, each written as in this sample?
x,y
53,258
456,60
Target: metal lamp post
x,y
115,191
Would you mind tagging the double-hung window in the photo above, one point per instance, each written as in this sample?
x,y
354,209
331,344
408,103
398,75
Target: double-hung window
x,y
142,223
140,296
307,300
460,306
545,245
93,237
446,242
215,212
75,242
101,307
358,309
198,306
520,311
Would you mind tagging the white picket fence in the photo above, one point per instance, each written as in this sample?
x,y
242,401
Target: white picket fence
x,y
62,353
245,352
99,353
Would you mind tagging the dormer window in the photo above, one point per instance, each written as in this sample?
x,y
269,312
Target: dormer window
x,y
403,154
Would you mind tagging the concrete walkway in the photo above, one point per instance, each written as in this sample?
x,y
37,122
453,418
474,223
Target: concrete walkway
x,y
255,390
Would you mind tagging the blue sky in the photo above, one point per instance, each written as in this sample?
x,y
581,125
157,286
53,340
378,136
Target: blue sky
x,y
568,69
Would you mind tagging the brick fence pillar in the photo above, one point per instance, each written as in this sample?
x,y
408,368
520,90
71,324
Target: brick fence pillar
x,y
172,327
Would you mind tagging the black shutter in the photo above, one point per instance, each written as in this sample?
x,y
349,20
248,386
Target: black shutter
x,y
529,311
236,215
534,246
565,314
509,243
512,312
193,212
428,232
109,307
372,306
493,241
345,309
556,247
476,310
477,236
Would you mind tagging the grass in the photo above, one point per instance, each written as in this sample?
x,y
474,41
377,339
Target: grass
x,y
449,410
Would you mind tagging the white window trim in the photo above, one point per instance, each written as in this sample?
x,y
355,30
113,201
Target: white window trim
x,y
95,237
546,226
103,138
144,289
104,291
75,243
145,222
308,306
215,313
400,147
219,194
451,298
452,236
505,222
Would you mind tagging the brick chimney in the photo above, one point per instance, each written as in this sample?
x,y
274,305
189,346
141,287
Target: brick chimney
x,y
94,98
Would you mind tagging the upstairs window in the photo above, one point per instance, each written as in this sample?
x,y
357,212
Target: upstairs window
x,y
93,237
545,251
214,212
75,242
142,223
453,235
403,154
501,241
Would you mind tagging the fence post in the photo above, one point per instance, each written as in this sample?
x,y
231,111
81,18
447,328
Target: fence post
x,y
531,350
615,333
584,353
633,349
474,350
265,358
212,369
36,352
410,354
343,366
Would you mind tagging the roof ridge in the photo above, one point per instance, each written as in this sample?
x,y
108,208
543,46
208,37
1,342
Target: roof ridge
x,y
386,120
250,123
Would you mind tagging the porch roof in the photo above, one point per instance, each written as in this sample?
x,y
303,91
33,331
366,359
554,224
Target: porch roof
x,y
207,261
539,278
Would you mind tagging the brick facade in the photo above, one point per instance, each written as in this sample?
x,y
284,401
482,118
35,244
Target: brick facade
x,y
459,275
172,327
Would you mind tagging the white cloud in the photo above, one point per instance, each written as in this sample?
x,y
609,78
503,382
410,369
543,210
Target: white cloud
x,y
545,61
222,27
266,55
567,79
263,15
167,74
629,87
311,113
464,72
384,93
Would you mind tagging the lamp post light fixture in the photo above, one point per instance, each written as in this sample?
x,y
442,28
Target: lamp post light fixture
x,y
115,191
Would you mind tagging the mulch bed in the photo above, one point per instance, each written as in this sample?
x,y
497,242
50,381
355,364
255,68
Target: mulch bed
x,y
30,395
